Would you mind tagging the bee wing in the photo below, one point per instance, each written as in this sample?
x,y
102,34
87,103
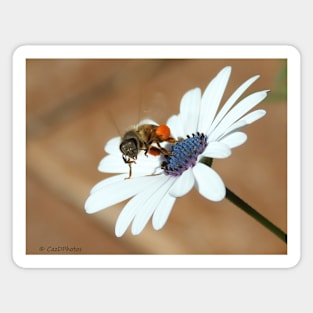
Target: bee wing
x,y
153,106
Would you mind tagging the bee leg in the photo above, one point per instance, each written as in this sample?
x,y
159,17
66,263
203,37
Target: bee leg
x,y
130,171
171,140
129,162
147,149
163,150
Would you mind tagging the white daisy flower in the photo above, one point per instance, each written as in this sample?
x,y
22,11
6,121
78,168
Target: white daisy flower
x,y
157,181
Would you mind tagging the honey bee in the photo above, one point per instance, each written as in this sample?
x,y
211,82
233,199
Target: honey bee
x,y
143,137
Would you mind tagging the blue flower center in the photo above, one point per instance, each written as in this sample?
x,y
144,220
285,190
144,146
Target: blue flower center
x,y
184,154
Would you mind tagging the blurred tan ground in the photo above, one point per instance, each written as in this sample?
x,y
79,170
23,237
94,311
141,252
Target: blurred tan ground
x,y
75,106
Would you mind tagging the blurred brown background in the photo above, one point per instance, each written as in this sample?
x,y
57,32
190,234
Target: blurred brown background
x,y
75,106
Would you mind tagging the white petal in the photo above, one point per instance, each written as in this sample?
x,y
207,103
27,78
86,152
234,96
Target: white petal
x,y
113,164
231,101
209,183
189,110
133,207
155,195
211,99
176,126
115,192
113,146
163,211
254,116
145,165
234,139
246,120
183,184
103,183
127,214
237,112
148,160
217,149
147,121
233,128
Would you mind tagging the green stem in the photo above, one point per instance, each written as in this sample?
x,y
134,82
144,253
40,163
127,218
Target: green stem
x,y
248,209
256,215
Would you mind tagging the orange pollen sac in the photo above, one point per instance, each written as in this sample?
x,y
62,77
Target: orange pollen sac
x,y
163,131
154,151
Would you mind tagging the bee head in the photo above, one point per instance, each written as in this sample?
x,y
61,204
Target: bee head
x,y
129,148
